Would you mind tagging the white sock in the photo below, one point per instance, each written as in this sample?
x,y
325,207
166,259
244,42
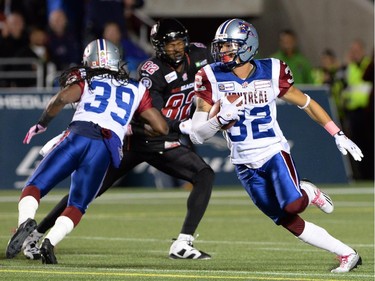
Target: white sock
x,y
319,237
63,226
27,207
185,237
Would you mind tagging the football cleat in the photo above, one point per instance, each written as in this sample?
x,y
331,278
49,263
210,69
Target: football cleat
x,y
317,197
347,263
48,255
182,248
16,241
30,246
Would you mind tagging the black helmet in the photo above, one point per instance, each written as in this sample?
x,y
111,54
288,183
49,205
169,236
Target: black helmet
x,y
164,31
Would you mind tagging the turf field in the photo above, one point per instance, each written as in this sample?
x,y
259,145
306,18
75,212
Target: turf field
x,y
126,235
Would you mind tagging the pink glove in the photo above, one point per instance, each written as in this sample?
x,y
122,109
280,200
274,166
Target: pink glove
x,y
129,130
34,130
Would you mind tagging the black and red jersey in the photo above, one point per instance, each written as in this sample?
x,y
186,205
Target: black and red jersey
x,y
172,92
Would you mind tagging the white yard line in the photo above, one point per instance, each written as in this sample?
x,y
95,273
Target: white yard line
x,y
125,194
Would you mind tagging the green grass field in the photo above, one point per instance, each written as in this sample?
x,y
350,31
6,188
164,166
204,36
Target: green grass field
x,y
126,235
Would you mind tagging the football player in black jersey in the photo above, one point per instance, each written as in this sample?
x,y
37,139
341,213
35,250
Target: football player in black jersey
x,y
169,76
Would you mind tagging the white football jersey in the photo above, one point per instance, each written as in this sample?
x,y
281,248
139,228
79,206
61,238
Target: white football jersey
x,y
109,104
256,137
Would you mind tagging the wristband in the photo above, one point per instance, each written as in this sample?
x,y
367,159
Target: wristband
x,y
332,128
45,119
307,102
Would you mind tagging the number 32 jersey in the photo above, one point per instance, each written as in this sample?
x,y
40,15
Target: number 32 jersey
x,y
256,137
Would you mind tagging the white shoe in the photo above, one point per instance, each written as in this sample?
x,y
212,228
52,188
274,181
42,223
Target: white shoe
x,y
30,246
317,197
347,263
182,248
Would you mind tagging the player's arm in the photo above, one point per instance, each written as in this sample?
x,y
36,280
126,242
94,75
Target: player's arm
x,y
319,115
151,115
310,106
204,127
155,120
67,95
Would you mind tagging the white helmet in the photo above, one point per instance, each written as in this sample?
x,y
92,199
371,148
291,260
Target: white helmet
x,y
101,53
244,39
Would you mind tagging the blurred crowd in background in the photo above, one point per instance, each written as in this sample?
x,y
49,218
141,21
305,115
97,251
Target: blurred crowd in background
x,y
55,32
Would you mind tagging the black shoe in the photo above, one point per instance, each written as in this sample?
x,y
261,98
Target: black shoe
x,y
15,243
48,256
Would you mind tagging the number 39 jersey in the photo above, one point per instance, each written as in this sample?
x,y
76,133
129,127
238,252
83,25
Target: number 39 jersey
x,y
256,137
111,104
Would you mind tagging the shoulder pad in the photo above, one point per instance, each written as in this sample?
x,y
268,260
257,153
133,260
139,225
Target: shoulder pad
x,y
76,76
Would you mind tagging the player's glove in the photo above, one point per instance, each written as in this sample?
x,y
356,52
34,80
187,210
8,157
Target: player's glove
x,y
129,130
185,127
344,145
230,111
34,130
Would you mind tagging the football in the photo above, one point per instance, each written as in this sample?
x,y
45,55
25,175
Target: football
x,y
216,108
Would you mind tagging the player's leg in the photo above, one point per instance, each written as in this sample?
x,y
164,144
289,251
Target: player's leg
x,y
317,197
48,173
86,181
183,163
286,186
31,245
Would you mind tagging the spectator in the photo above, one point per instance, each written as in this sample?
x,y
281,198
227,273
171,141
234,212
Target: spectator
x,y
130,6
63,46
133,56
290,54
37,48
13,38
326,74
369,116
74,11
13,35
98,13
355,96
33,11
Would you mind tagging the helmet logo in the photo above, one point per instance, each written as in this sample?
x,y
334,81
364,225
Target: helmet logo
x,y
102,58
243,26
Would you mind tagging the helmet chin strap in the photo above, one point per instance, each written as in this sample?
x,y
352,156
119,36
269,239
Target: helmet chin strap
x,y
233,63
177,63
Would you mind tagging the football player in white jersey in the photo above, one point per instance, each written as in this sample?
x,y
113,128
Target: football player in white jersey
x,y
106,102
259,150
